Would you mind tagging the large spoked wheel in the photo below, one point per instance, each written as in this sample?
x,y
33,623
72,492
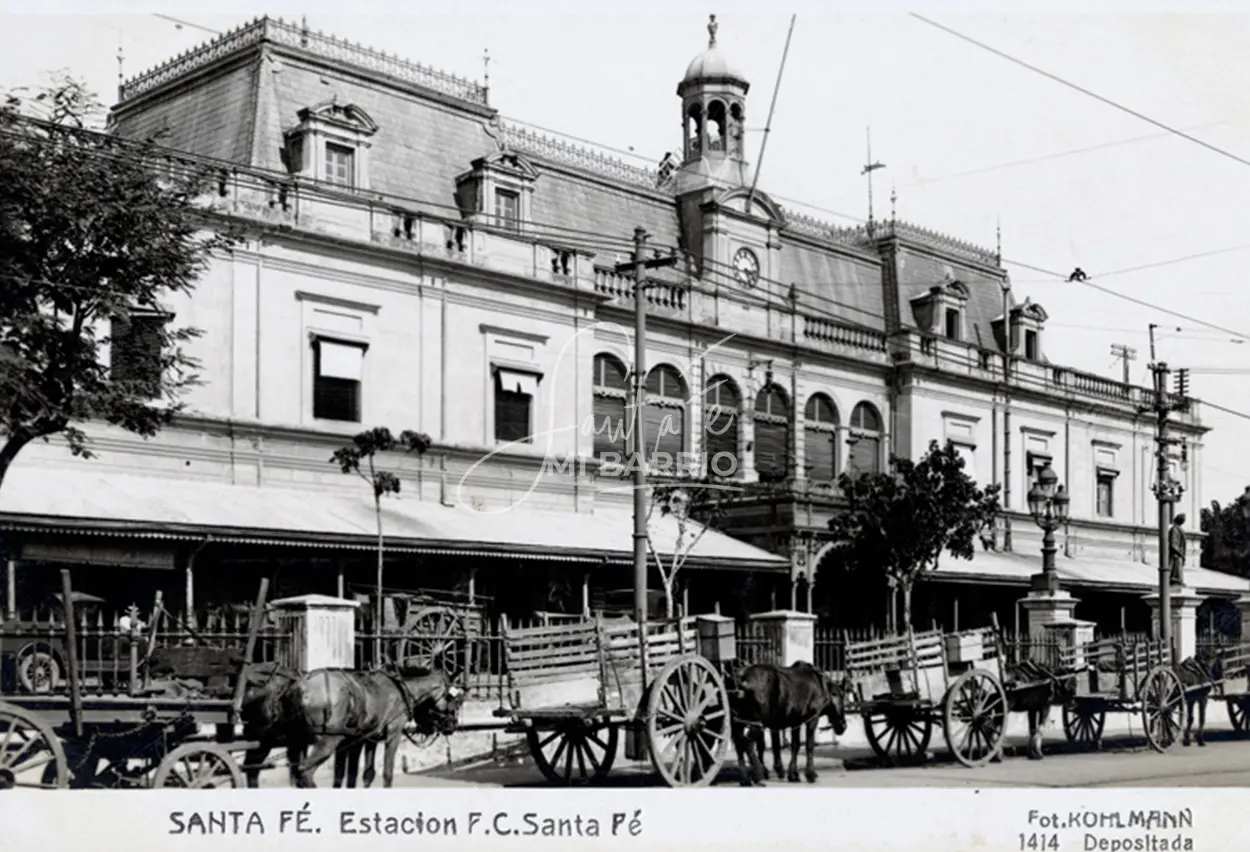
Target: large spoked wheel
x,y
37,670
1162,708
974,718
898,734
31,754
1237,712
1083,724
688,722
199,766
433,639
576,753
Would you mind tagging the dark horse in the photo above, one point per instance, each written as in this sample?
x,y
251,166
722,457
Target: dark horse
x,y
1198,676
331,709
775,698
1035,687
262,714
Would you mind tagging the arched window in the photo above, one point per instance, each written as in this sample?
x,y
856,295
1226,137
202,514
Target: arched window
x,y
722,405
864,440
694,130
735,129
716,126
611,420
772,434
820,433
664,423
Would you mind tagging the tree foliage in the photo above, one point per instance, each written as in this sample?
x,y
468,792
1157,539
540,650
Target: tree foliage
x,y
902,521
1226,547
92,230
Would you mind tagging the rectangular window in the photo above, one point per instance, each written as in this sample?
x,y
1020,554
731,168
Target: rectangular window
x,y
1030,345
1034,463
514,399
338,370
340,165
1105,498
952,323
508,209
135,352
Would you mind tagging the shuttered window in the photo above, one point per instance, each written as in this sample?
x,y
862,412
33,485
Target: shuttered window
x,y
772,434
135,352
820,437
611,414
338,369
664,420
864,451
721,411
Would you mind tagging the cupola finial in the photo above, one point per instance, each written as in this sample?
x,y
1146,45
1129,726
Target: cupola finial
x,y
711,30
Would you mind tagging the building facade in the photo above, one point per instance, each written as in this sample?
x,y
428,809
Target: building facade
x,y
412,260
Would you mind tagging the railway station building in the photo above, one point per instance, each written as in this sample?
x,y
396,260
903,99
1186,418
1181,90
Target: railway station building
x,y
415,261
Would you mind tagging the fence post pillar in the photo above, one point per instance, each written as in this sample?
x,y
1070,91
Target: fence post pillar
x,y
793,634
1185,602
319,632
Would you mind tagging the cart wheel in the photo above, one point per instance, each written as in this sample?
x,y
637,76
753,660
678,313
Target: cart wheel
x,y
688,722
1162,708
433,639
898,734
31,755
974,718
1083,724
199,766
576,753
1237,708
38,671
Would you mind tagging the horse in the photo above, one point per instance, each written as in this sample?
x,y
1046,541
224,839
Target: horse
x,y
330,709
1198,676
263,715
1036,699
775,697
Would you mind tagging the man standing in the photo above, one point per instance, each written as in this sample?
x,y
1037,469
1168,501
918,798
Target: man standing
x,y
1176,550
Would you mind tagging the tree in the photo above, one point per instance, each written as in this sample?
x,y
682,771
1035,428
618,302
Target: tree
x,y
361,459
901,521
94,239
696,505
1226,547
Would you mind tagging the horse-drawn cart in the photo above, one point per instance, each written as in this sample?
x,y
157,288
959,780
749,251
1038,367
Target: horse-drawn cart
x,y
571,689
435,629
145,728
905,685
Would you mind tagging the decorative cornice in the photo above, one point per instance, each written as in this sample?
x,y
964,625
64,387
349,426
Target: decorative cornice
x,y
305,296
320,44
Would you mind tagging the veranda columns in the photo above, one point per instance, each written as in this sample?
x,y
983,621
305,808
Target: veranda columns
x,y
10,588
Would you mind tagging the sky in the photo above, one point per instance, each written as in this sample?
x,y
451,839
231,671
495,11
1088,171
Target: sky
x,y
971,140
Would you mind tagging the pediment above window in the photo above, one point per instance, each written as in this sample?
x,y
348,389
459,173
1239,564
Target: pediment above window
x,y
761,206
508,163
496,189
347,117
1030,310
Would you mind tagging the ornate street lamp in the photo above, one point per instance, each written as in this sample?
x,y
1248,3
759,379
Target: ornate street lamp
x,y
1048,504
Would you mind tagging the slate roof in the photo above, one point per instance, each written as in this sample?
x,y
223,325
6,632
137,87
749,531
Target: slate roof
x,y
233,97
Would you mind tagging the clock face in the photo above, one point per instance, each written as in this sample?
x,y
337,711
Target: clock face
x,y
746,267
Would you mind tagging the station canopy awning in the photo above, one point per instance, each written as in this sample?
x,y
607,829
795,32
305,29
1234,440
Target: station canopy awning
x,y
101,502
1113,575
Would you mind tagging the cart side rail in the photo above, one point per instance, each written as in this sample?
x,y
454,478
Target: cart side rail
x,y
921,651
556,664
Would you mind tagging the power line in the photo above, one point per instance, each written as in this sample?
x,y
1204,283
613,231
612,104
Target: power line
x,y
1182,134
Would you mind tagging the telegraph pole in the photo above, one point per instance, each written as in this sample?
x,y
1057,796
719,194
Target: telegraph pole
x,y
638,267
1166,491
1124,354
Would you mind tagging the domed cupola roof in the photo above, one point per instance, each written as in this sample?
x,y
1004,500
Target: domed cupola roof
x,y
711,65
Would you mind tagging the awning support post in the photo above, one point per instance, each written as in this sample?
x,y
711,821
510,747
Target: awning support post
x,y
10,588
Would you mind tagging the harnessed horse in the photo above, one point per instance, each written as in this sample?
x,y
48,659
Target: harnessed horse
x,y
771,697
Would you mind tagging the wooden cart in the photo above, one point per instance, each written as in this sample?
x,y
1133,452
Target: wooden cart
x,y
148,734
905,685
572,688
434,629
1126,675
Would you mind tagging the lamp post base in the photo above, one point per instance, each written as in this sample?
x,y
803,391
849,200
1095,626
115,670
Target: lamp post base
x,y
1046,606
1184,606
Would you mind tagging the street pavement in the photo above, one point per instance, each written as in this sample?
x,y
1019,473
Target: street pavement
x,y
1125,761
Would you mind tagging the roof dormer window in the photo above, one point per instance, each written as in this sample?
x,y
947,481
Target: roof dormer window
x,y
941,310
1024,332
496,190
331,144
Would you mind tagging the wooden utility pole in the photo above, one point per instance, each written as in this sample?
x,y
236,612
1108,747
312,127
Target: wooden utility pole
x,y
1125,354
638,267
